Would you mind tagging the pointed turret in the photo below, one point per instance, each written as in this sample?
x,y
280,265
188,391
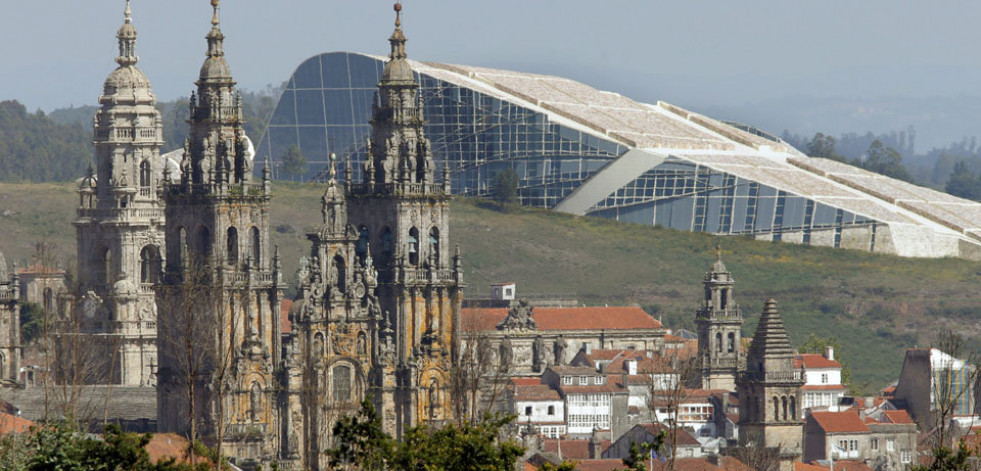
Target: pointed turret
x,y
770,350
400,154
127,40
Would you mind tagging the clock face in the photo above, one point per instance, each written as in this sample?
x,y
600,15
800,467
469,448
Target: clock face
x,y
90,307
359,291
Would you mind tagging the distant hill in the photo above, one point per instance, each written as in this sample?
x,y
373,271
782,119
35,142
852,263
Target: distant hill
x,y
877,305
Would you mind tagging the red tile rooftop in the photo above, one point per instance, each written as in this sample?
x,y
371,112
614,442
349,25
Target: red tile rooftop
x,y
840,422
561,318
814,361
285,326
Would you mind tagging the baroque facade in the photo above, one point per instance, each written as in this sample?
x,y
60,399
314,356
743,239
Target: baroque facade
x,y
119,227
220,296
378,307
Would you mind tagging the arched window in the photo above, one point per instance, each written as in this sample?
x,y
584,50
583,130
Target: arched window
x,y
732,342
318,345
145,173
776,408
724,301
231,246
341,384
362,248
783,402
256,244
434,245
341,273
413,246
793,408
718,342
150,265
386,240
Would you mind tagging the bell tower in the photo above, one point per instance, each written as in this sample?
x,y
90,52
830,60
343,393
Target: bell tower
x,y
770,392
222,286
719,321
119,225
402,215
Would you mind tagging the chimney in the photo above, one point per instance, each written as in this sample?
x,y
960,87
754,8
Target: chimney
x,y
830,353
631,366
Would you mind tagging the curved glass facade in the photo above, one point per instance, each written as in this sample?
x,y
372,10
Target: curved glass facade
x,y
326,107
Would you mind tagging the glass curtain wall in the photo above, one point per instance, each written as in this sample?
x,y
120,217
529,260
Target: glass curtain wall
x,y
326,107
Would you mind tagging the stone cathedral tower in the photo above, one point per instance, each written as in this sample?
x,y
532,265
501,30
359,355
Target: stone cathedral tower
x,y
119,225
769,392
220,298
402,214
719,322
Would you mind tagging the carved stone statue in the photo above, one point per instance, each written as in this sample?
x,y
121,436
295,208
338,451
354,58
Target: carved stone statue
x,y
519,317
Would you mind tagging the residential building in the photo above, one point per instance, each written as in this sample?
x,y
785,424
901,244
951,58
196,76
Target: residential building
x,y
686,445
593,400
887,441
538,405
822,387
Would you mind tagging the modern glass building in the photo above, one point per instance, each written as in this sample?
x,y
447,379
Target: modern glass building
x,y
585,151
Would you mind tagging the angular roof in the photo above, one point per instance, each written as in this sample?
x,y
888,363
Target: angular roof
x,y
572,449
839,465
537,392
13,424
840,422
770,339
814,361
565,318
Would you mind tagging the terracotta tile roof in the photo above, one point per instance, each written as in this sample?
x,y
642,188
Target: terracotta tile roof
x,y
823,387
563,370
840,465
563,318
840,422
13,424
167,445
889,390
599,465
573,449
684,437
898,416
526,381
538,392
814,361
285,326
702,464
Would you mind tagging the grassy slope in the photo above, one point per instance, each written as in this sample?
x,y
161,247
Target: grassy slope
x,y
876,304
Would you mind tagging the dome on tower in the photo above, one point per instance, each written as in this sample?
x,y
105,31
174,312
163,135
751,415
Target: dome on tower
x,y
215,68
126,78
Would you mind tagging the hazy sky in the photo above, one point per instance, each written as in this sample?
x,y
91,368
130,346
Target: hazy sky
x,y
696,53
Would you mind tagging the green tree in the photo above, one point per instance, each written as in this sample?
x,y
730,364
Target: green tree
x,y
504,187
818,344
946,459
964,183
885,161
294,163
823,146
362,444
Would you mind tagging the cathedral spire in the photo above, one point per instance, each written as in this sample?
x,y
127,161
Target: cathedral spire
x,y
397,69
215,37
127,40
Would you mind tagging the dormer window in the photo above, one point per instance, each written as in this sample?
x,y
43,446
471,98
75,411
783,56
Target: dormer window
x,y
583,380
598,380
567,380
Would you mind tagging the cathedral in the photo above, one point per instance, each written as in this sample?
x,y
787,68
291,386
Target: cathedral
x,y
378,311
376,314
119,230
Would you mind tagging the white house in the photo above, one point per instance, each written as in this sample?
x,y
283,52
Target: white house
x,y
822,388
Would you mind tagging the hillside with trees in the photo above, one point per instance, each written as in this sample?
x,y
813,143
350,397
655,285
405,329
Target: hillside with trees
x,y
35,148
